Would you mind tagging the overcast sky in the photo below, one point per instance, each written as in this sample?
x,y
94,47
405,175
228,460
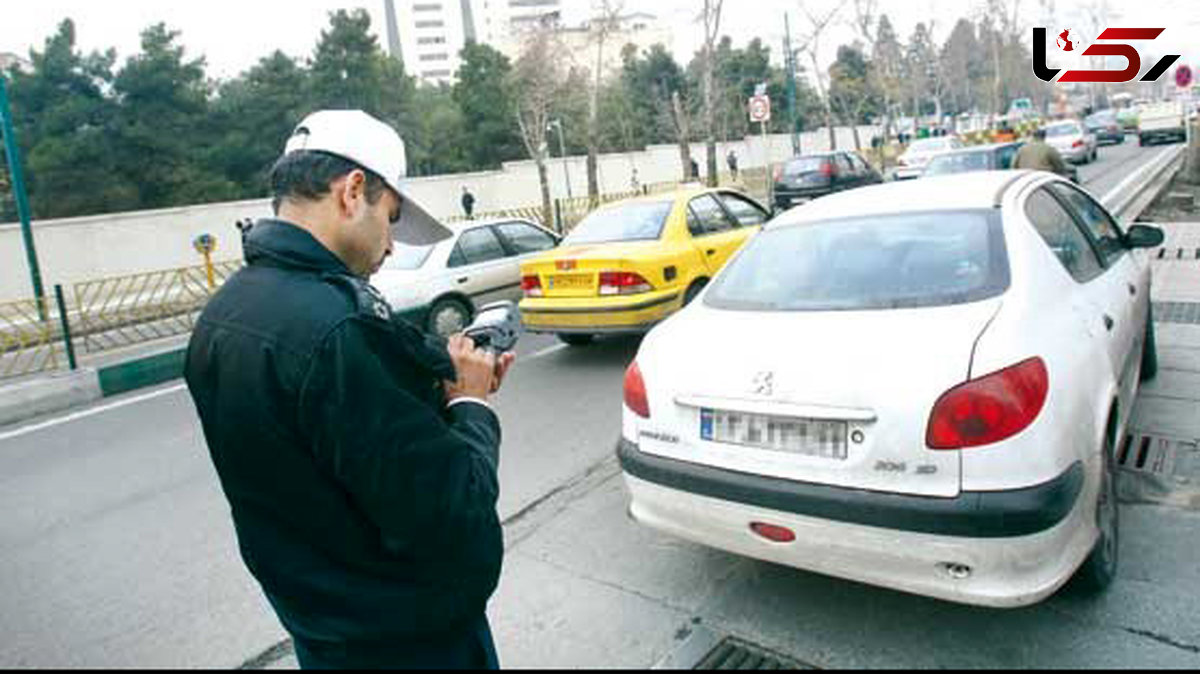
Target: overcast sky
x,y
233,34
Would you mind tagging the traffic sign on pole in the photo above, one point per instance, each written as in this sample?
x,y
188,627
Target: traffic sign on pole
x,y
1183,76
760,109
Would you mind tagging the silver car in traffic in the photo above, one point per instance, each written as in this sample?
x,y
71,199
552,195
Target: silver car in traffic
x,y
1073,141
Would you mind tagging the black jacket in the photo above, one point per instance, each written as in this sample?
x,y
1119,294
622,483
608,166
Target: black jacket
x,y
363,505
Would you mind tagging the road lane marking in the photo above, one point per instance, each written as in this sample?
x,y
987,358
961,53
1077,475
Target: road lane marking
x,y
1133,176
547,351
90,412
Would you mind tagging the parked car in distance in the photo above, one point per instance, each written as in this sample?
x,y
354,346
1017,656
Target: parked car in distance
x,y
912,163
439,287
1162,120
922,386
1073,141
1105,127
816,175
629,265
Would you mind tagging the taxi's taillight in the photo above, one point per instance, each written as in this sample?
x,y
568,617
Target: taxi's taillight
x,y
531,285
623,283
635,392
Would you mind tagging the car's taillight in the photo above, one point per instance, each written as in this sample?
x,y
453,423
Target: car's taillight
x,y
531,285
623,283
1078,143
989,409
635,392
778,173
827,169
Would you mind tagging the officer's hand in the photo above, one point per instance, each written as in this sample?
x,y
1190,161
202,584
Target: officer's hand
x,y
476,368
504,362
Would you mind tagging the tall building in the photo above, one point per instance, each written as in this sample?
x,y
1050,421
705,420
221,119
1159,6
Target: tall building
x,y
429,34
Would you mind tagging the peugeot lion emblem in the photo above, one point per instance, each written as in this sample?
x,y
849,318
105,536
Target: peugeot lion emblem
x,y
764,384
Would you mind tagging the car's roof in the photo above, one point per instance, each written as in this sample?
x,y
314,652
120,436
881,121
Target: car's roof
x,y
960,191
989,147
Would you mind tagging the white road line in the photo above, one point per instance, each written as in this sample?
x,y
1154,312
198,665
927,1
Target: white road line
x,y
1133,176
90,412
545,352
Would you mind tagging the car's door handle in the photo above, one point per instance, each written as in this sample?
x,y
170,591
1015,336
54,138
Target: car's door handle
x,y
464,279
1133,290
1108,322
711,251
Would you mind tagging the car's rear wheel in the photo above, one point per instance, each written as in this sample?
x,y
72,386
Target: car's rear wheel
x,y
1100,568
448,316
693,291
1149,351
576,340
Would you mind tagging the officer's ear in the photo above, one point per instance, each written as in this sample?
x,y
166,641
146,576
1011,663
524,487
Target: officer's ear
x,y
349,190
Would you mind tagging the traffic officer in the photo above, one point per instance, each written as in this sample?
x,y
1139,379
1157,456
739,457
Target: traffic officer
x,y
1040,156
358,456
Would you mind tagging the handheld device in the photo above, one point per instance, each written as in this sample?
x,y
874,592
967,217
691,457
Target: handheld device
x,y
496,327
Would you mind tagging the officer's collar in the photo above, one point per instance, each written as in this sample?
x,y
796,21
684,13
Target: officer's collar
x,y
280,243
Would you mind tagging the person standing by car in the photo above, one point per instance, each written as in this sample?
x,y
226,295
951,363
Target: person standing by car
x,y
358,456
468,202
1040,156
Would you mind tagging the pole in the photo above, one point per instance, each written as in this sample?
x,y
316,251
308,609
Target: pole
x,y
790,56
767,155
562,150
13,154
66,326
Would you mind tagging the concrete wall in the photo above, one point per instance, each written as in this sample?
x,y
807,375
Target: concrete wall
x,y
89,248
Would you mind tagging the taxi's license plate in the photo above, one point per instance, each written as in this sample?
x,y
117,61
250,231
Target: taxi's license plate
x,y
570,281
807,437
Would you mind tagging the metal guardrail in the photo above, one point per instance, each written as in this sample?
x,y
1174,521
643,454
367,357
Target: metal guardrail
x,y
533,213
28,344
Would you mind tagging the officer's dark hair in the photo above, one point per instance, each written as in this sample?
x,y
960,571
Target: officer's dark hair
x,y
310,176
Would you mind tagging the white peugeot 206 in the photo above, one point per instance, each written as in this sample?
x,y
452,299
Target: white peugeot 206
x,y
917,385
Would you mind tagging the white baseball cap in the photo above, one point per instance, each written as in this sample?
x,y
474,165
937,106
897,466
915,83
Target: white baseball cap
x,y
372,144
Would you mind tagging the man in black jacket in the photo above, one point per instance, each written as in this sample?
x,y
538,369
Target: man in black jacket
x,y
358,455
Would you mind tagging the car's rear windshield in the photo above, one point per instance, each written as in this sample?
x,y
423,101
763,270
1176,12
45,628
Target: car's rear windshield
x,y
805,165
1103,118
636,221
882,262
407,257
1062,130
958,162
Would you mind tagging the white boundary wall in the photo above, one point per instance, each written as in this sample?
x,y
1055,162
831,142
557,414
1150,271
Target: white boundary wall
x,y
94,247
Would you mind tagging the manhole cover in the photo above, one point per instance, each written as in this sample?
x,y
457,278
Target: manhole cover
x,y
1177,312
733,653
1159,469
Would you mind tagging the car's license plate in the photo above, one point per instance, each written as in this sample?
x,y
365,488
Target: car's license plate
x,y
808,437
571,281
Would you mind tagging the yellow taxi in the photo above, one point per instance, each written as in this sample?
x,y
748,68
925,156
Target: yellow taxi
x,y
629,265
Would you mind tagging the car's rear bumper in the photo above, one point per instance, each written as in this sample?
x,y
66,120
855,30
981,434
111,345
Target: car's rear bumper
x,y
908,172
628,314
1020,546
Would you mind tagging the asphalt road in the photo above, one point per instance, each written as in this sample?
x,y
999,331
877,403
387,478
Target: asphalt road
x,y
116,548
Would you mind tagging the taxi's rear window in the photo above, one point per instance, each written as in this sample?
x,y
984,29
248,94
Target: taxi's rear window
x,y
881,262
635,221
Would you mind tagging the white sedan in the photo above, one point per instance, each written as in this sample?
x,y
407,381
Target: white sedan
x,y
439,287
914,160
917,385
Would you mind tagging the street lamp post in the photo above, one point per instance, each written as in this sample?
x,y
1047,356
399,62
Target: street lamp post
x,y
13,155
562,151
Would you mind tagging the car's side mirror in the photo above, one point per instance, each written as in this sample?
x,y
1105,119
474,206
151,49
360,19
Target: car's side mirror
x,y
1144,236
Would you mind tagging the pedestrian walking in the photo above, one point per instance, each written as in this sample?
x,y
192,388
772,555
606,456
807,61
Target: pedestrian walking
x,y
732,160
468,202
695,168
358,454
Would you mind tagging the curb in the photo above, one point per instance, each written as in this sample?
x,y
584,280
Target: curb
x,y
63,391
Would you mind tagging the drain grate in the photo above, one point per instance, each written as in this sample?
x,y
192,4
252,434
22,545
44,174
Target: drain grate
x,y
733,653
1159,469
1177,312
1182,254
1148,454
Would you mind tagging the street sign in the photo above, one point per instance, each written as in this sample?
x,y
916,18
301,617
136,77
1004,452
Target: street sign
x,y
760,109
1183,77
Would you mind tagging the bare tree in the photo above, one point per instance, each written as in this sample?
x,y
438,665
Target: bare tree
x,y
601,28
683,131
711,18
537,77
811,45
